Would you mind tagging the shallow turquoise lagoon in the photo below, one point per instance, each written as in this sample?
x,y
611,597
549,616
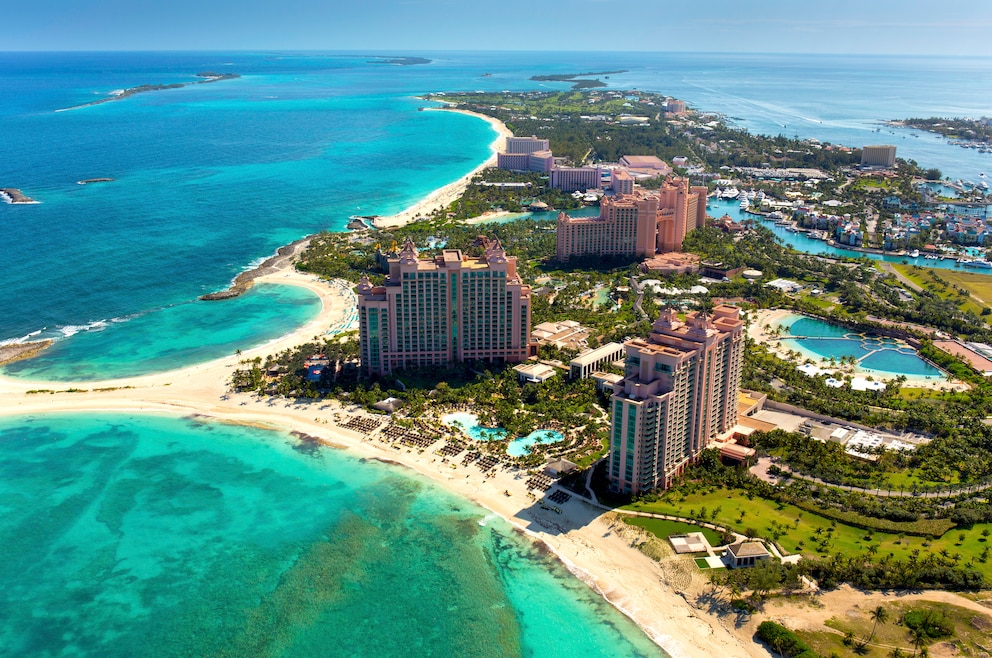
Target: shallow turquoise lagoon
x,y
886,356
127,535
518,447
173,337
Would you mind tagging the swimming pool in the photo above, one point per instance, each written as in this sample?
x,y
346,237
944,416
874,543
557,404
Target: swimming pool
x,y
518,447
887,357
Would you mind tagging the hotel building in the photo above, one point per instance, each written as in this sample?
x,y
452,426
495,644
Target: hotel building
x,y
442,310
639,224
540,161
878,156
679,391
526,144
572,179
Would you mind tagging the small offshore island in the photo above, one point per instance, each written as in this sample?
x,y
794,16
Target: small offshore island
x,y
833,502
208,77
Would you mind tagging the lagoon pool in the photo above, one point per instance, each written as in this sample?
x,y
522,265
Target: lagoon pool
x,y
886,357
519,447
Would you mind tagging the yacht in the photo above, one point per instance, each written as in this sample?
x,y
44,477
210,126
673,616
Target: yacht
x,y
915,253
980,264
730,193
745,204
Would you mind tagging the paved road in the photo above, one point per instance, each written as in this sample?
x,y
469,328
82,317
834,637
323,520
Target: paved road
x,y
902,279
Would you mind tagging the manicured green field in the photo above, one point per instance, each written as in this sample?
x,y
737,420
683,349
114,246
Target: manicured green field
x,y
979,285
799,531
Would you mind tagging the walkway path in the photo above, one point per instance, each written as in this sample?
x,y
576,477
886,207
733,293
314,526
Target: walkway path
x,y
888,267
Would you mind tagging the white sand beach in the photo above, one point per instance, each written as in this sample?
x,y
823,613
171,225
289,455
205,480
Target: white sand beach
x,y
581,536
445,196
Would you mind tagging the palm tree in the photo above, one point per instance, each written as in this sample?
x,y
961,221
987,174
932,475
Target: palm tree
x,y
879,615
919,637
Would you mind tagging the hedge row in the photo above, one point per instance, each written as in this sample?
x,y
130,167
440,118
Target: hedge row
x,y
784,641
922,528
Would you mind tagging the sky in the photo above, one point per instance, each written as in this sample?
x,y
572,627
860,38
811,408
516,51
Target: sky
x,y
921,27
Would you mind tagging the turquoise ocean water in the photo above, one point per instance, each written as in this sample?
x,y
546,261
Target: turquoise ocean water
x,y
158,536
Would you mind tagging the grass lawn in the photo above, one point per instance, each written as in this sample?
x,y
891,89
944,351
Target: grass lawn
x,y
971,630
979,285
663,529
701,563
795,530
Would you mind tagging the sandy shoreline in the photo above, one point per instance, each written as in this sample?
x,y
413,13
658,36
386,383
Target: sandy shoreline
x,y
448,194
580,536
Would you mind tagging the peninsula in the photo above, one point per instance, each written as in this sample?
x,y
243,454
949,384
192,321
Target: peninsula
x,y
207,77
963,131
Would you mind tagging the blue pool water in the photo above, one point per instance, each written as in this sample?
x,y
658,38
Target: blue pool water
x,y
884,356
519,447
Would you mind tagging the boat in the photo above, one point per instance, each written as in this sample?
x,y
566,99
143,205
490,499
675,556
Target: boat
x,y
915,253
980,264
964,261
745,204
742,196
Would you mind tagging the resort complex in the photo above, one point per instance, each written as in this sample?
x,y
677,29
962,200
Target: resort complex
x,y
741,385
436,311
679,391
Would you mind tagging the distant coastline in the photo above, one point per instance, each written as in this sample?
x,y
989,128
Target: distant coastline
x,y
578,80
141,89
399,61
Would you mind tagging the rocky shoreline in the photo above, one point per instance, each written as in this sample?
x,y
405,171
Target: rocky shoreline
x,y
12,195
20,351
283,257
